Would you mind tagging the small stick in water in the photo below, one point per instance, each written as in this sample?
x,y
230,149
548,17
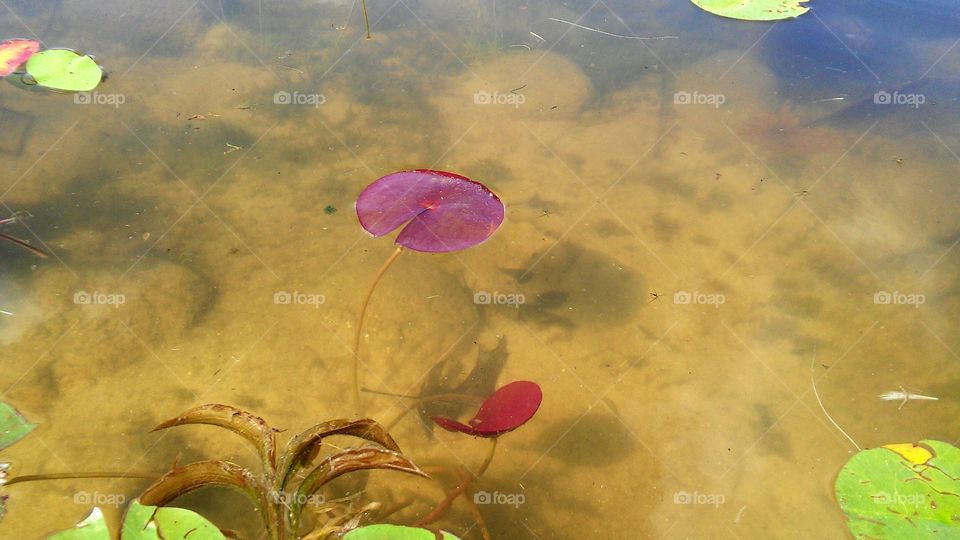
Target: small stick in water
x,y
597,30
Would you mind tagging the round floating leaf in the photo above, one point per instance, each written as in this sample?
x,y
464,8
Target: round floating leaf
x,y
754,10
902,491
443,211
63,69
13,426
167,523
93,527
505,410
394,532
14,52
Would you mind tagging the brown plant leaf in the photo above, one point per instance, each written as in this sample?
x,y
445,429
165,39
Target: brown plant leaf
x,y
182,480
299,448
249,426
355,459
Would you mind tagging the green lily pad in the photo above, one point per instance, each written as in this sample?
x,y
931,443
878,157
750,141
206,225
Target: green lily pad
x,y
63,69
394,532
167,523
902,491
13,426
754,10
93,527
145,523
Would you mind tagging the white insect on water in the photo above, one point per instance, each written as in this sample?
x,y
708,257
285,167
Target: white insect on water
x,y
903,396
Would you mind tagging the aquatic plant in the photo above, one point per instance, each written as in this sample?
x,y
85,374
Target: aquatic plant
x,y
442,212
907,490
63,69
288,482
754,10
508,408
278,493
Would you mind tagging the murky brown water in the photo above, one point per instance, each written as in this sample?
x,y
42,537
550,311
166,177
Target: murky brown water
x,y
687,238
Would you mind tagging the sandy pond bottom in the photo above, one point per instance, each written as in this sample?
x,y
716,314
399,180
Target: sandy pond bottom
x,y
682,269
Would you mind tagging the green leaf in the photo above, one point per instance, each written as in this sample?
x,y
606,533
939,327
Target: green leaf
x,y
93,527
167,523
394,532
63,69
902,491
13,426
754,10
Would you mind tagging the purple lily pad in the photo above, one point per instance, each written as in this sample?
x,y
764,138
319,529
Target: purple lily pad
x,y
505,410
443,211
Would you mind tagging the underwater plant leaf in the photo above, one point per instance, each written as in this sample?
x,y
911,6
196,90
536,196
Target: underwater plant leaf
x,y
251,427
902,491
182,480
300,447
166,523
384,531
355,459
13,426
508,408
93,527
14,52
754,10
443,211
63,69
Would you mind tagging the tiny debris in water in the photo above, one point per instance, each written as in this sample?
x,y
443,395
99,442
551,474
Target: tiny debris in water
x,y
903,396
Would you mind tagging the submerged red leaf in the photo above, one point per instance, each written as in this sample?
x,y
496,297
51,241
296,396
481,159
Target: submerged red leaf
x,y
507,409
14,52
443,211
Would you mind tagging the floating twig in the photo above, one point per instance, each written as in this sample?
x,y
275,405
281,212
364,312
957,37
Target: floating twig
x,y
597,30
813,383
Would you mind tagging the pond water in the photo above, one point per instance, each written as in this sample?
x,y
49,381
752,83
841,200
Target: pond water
x,y
698,226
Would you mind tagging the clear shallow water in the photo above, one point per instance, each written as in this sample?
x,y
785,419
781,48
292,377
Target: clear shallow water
x,y
692,222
